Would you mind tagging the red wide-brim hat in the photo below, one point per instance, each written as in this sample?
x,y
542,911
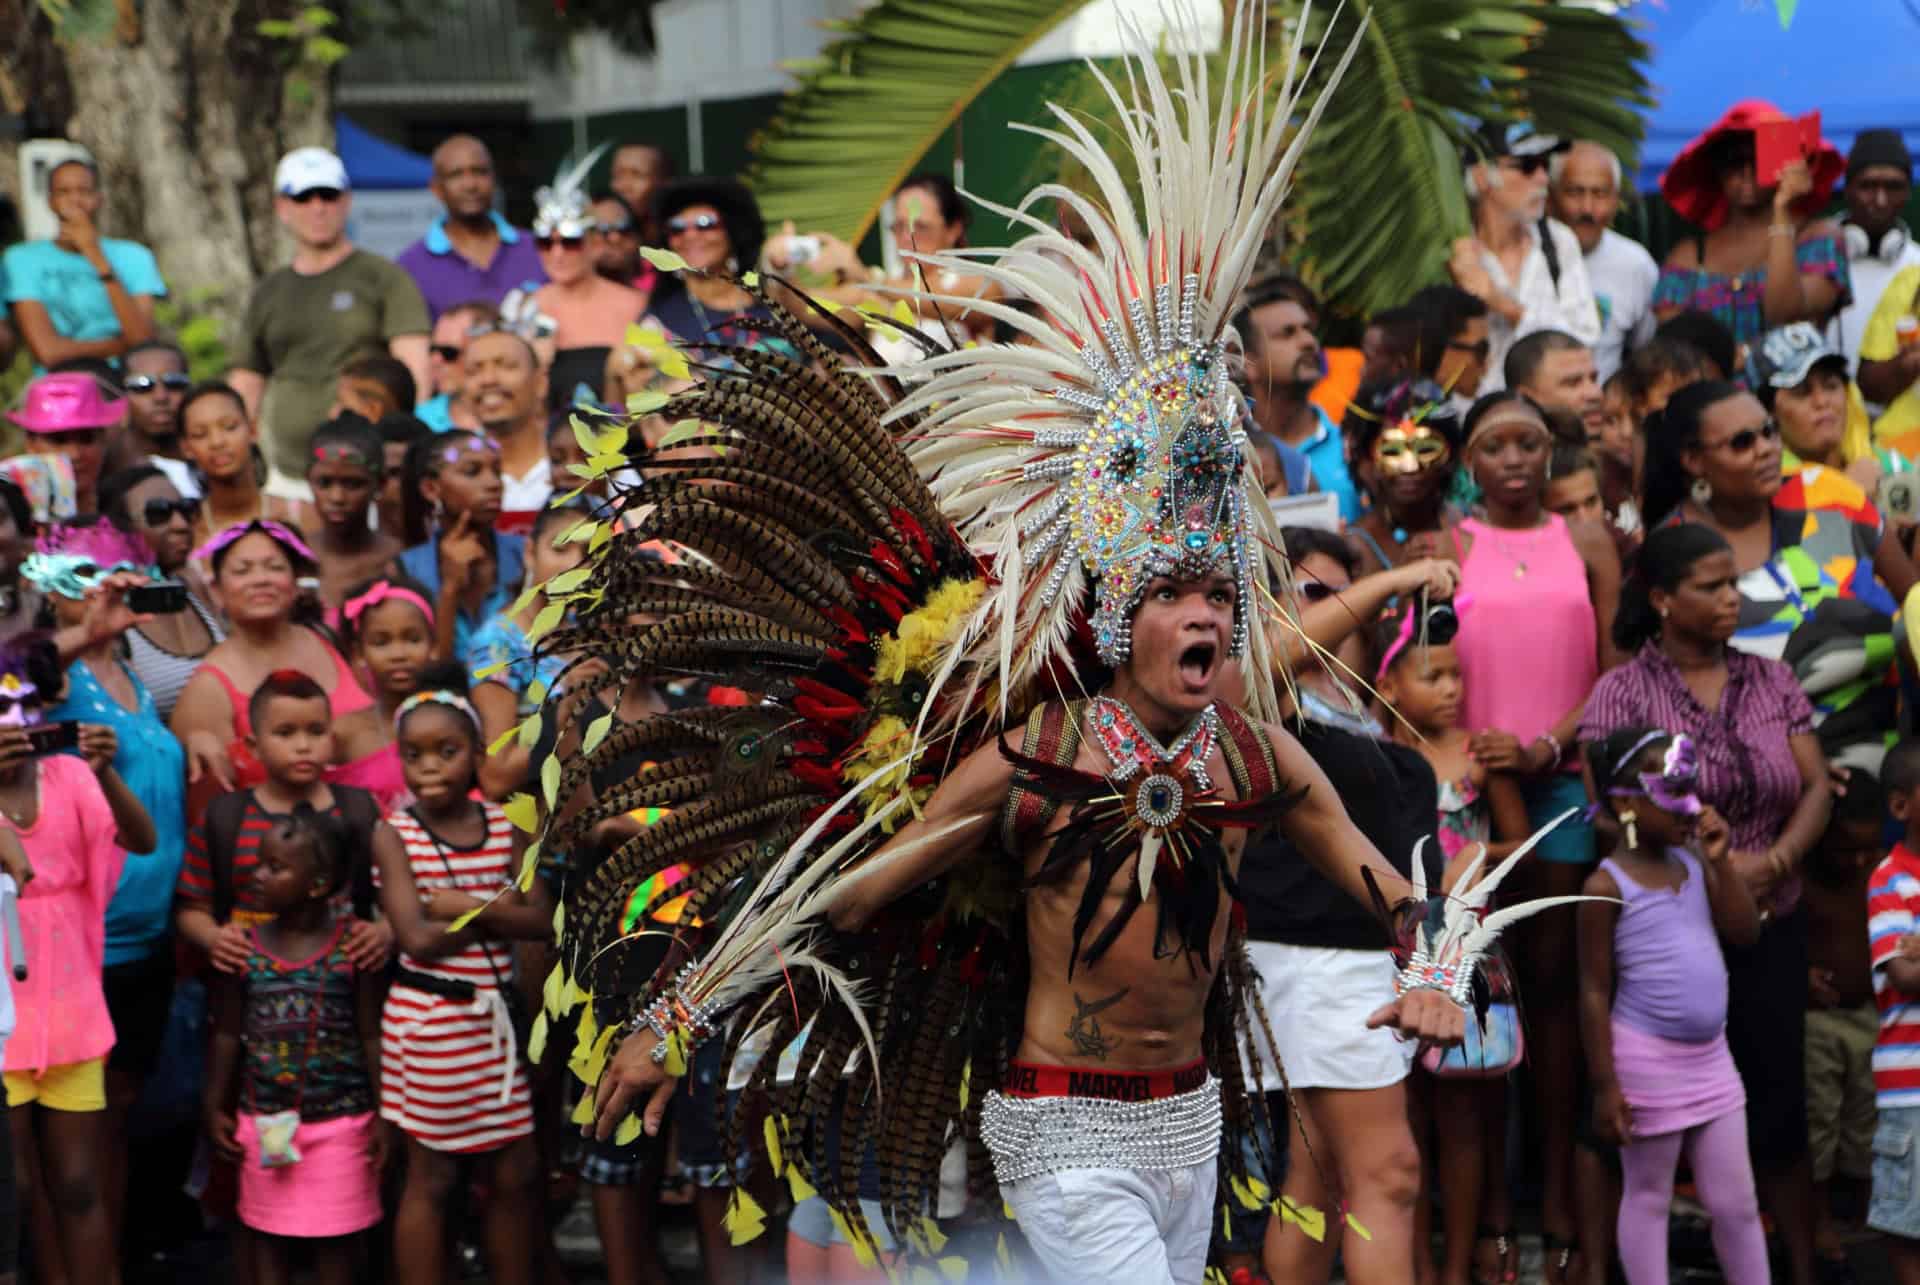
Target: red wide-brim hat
x,y
1693,189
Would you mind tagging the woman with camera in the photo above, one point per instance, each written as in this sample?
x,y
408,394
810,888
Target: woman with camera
x,y
71,569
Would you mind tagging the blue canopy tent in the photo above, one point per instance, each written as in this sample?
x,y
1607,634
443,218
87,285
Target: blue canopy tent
x,y
391,203
375,165
1857,61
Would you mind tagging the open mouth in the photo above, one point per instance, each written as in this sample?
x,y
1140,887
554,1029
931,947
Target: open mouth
x,y
1196,663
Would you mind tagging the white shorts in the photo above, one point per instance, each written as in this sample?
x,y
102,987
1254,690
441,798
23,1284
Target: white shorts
x,y
1116,1226
1318,999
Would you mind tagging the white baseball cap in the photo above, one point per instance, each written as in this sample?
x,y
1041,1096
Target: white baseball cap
x,y
306,168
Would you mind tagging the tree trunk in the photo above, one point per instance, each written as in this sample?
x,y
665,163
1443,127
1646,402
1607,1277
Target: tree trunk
x,y
187,110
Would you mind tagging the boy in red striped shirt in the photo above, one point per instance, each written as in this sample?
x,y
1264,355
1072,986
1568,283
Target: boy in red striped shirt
x,y
1893,913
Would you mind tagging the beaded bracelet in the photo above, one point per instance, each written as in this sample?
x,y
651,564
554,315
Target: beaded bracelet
x,y
672,1012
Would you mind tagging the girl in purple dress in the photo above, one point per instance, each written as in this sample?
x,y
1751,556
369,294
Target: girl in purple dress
x,y
1653,1003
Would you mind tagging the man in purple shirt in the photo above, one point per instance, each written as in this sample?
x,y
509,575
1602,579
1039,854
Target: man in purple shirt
x,y
470,253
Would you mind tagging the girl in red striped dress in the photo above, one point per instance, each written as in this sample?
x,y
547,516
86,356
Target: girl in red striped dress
x,y
453,1078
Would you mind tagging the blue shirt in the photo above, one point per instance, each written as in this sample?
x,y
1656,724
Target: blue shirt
x,y
1326,450
422,562
446,278
67,286
154,767
502,642
436,413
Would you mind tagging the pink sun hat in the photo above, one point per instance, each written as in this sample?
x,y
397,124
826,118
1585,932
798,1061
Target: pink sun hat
x,y
67,402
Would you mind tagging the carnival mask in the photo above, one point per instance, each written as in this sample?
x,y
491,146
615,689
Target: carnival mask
x,y
72,575
1409,447
1675,787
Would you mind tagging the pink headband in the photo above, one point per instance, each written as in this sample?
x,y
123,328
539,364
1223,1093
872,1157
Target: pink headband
x,y
1405,636
381,591
278,532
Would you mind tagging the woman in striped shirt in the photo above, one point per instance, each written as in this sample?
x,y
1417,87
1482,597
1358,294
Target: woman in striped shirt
x,y
453,1080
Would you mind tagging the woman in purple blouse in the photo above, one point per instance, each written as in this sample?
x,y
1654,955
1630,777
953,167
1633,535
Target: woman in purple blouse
x,y
1760,767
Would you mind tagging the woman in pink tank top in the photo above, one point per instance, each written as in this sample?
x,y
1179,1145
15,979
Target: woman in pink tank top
x,y
254,569
1538,634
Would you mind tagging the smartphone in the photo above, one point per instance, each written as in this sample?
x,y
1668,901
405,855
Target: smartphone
x,y
53,738
1778,143
802,250
167,595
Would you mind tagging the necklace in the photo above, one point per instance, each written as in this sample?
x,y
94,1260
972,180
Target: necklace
x,y
1518,560
19,816
1157,800
1130,747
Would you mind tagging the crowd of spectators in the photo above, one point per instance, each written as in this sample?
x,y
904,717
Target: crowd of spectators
x,y
1587,520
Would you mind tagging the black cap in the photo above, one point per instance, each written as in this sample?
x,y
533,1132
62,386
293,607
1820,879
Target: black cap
x,y
1879,147
1492,140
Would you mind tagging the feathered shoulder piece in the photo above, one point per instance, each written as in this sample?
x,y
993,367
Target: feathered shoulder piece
x,y
1110,451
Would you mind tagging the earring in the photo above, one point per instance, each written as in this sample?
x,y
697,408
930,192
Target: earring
x,y
1627,819
1665,612
733,265
1702,492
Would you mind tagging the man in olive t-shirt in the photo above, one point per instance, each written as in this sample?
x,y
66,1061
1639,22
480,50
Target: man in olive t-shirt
x,y
305,321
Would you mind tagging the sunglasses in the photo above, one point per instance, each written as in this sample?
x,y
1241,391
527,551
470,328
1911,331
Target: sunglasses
x,y
172,381
1528,165
564,242
446,352
1748,438
613,229
160,512
689,223
327,194
1479,350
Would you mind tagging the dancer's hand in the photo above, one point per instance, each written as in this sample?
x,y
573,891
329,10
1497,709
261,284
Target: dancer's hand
x,y
1425,1015
630,1076
1612,1117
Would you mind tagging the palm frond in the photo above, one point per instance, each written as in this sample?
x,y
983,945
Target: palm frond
x,y
1381,197
876,99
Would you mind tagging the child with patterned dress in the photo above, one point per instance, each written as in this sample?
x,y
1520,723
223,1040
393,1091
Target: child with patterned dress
x,y
453,1076
1419,679
293,1079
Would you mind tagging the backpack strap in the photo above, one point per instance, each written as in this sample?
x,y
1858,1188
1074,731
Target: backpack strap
x,y
1552,251
1052,735
223,820
1249,755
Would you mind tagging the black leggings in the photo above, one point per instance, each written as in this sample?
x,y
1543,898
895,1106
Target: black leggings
x,y
1767,1029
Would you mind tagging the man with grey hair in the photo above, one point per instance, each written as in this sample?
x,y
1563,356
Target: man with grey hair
x,y
1526,267
1585,196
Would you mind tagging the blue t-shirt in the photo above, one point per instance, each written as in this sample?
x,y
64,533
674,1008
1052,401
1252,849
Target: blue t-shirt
x,y
154,767
422,562
71,291
502,642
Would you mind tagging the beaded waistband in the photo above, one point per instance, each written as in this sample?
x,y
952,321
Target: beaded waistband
x,y
1027,1080
1031,1136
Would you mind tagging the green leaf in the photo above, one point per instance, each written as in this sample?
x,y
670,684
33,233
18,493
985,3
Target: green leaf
x,y
500,741
588,439
550,779
523,812
665,260
869,108
597,732
544,622
567,581
275,28
680,432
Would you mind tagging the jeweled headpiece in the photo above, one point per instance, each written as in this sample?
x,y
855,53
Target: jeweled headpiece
x,y
562,209
1108,451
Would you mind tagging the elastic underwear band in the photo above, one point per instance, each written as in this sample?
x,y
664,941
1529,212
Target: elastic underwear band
x,y
1024,1080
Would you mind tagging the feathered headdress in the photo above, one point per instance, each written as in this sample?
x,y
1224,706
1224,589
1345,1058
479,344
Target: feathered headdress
x,y
562,209
1111,452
